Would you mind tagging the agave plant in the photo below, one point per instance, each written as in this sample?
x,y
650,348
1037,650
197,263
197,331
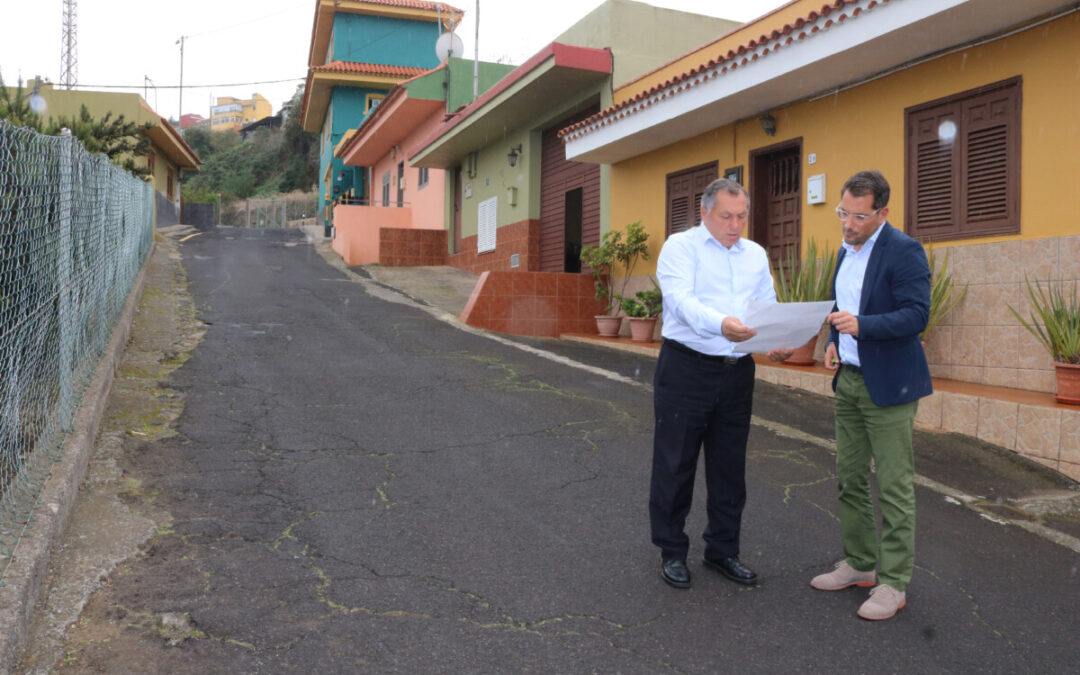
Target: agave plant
x,y
1055,320
806,280
945,294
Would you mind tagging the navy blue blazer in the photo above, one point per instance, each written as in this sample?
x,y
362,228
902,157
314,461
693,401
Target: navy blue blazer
x,y
893,310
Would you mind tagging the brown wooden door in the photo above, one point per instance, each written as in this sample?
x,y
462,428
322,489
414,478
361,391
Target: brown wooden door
x,y
558,177
457,210
684,191
777,199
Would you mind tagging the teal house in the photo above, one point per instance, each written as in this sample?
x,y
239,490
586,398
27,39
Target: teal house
x,y
359,51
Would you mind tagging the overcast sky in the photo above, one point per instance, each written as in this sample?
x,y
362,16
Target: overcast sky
x,y
240,48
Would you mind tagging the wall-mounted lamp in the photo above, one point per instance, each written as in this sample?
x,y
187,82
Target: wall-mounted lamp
x,y
768,124
512,156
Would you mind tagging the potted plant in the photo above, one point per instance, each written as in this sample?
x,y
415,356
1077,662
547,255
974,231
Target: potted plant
x,y
1055,323
806,280
642,312
616,248
942,300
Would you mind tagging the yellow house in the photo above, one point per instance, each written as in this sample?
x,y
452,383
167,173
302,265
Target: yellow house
x,y
965,105
169,155
233,113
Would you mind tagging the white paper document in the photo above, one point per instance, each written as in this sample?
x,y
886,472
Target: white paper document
x,y
781,325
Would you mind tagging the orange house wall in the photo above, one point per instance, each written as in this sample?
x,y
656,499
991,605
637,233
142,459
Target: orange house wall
x,y
356,230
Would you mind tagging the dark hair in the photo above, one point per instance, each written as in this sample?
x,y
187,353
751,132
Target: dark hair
x,y
708,198
868,182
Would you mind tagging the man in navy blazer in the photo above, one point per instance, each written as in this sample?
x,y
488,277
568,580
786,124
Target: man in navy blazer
x,y
882,293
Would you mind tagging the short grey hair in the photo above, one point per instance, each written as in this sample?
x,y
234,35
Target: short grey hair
x,y
708,198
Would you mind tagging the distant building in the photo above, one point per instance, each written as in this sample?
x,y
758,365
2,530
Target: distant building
x,y
274,122
192,120
234,113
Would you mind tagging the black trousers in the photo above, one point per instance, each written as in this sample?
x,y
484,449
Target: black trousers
x,y
700,401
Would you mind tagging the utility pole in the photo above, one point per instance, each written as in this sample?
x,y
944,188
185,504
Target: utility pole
x,y
476,57
180,42
69,62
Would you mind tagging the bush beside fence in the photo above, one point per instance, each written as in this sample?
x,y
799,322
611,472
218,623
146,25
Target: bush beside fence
x,y
74,232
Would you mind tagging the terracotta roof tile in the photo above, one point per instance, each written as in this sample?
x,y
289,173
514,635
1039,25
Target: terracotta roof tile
x,y
790,33
369,69
416,4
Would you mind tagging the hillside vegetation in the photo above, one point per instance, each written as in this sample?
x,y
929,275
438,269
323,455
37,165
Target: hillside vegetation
x,y
270,162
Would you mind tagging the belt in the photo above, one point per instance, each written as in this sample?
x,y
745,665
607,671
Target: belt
x,y
726,360
853,368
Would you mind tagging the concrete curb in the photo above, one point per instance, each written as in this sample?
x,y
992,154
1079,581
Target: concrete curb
x,y
25,575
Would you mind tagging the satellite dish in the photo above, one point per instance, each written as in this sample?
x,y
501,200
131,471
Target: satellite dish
x,y
448,45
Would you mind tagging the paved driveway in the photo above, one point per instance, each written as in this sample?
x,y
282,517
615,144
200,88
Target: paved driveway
x,y
356,486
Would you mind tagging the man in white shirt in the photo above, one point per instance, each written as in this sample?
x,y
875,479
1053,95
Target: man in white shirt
x,y
702,390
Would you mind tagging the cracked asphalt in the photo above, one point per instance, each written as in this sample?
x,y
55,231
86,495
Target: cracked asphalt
x,y
340,480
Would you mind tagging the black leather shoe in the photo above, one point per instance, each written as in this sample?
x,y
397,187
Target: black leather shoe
x,y
675,573
732,569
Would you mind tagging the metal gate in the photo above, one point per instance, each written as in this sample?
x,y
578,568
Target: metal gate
x,y
266,213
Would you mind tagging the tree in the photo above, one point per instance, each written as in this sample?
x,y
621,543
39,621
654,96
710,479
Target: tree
x,y
299,150
121,141
16,108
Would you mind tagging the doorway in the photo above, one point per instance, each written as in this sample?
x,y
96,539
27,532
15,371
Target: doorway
x,y
575,214
401,184
776,191
457,211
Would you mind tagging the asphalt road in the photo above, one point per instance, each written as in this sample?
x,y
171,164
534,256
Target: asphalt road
x,y
357,486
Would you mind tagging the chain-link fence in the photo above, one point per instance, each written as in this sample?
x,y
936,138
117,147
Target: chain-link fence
x,y
74,232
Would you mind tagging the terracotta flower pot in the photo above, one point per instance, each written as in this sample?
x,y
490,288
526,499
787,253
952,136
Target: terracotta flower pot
x,y
803,356
608,326
641,329
1068,382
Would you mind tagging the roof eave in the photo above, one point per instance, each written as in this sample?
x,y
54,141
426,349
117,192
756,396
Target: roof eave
x,y
814,59
321,84
557,70
377,135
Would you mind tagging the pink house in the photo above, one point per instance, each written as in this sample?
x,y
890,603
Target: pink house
x,y
404,222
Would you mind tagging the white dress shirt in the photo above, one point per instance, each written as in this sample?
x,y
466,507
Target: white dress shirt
x,y
704,282
849,281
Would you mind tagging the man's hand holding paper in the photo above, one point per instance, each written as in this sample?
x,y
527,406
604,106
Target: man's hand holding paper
x,y
782,326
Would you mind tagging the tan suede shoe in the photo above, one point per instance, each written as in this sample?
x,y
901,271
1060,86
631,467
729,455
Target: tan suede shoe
x,y
884,602
842,577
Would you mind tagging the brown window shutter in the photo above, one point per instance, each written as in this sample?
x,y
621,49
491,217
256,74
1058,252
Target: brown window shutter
x,y
935,167
985,156
684,191
969,187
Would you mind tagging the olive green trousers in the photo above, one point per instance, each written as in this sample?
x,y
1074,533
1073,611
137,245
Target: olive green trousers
x,y
866,432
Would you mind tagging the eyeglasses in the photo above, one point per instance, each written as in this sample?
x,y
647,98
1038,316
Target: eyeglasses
x,y
860,218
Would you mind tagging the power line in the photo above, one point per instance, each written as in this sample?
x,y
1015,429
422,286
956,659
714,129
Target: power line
x,y
188,86
251,21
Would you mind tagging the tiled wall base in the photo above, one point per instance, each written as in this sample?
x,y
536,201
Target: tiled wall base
x,y
981,341
1045,432
402,247
521,238
542,304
